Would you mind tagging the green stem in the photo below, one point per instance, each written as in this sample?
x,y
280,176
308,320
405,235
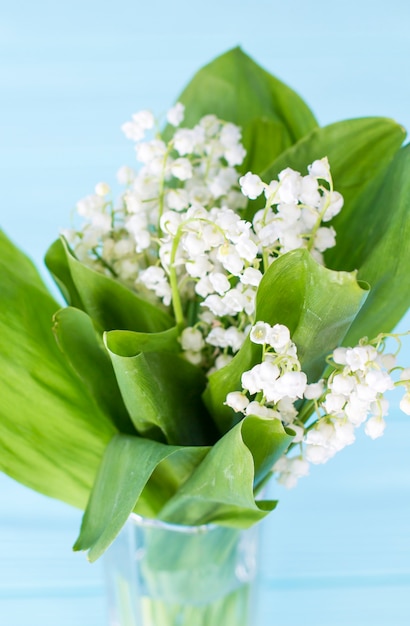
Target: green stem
x,y
265,259
307,410
173,279
322,213
162,187
104,263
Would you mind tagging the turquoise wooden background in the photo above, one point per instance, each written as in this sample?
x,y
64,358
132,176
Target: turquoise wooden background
x,y
337,550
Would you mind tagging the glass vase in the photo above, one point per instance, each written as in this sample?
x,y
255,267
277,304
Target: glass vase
x,y
161,574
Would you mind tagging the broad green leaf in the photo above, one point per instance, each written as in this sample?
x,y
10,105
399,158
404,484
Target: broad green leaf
x,y
316,304
126,468
378,230
129,343
267,440
264,139
221,489
166,479
162,393
329,302
357,149
236,89
83,347
109,303
57,264
52,433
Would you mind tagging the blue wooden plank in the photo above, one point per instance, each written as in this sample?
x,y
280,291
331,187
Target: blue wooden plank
x,y
354,605
63,610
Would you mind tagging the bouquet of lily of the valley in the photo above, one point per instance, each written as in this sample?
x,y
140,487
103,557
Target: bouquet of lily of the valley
x,y
227,312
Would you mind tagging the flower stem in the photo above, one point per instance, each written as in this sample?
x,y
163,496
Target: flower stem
x,y
162,188
173,280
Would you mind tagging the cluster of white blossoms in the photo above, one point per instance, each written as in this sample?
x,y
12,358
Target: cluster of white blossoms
x,y
176,234
350,395
295,208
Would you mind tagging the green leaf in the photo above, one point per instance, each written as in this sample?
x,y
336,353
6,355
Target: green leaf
x,y
83,347
378,230
236,89
264,139
126,467
166,479
108,302
221,489
162,392
267,440
330,302
56,262
316,304
129,343
357,149
52,434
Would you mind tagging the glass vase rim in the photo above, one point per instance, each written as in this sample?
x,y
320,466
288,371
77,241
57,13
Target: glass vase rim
x,y
190,529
